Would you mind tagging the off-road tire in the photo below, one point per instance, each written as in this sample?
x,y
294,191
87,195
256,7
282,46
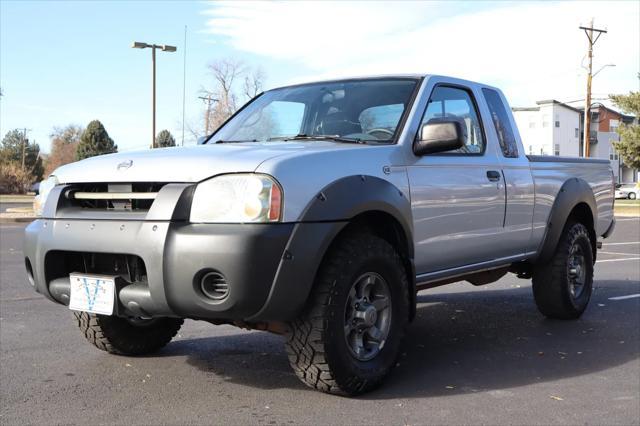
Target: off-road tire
x,y
551,281
123,337
316,343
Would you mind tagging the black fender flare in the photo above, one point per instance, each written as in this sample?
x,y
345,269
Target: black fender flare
x,y
324,217
573,192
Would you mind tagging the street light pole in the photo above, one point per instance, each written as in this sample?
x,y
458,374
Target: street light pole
x,y
164,48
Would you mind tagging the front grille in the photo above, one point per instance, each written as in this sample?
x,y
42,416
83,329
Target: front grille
x,y
112,196
59,264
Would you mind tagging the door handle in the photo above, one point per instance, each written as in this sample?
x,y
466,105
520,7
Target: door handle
x,y
493,176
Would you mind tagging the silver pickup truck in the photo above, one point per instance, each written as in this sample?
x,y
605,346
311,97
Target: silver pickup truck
x,y
318,211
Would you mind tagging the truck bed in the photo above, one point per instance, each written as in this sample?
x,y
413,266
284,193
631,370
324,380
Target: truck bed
x,y
550,173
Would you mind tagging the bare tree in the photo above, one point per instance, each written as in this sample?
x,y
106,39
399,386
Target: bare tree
x,y
225,72
64,142
253,83
221,102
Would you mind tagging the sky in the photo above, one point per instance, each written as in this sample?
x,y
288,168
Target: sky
x,y
71,62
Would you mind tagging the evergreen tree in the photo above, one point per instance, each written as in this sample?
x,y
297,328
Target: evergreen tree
x,y
11,151
165,139
95,141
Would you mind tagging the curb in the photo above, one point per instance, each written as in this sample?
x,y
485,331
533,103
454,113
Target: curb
x,y
17,219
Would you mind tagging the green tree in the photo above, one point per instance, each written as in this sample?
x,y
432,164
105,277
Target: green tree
x,y
165,139
11,152
95,141
629,145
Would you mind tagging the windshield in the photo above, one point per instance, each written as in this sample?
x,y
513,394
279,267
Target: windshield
x,y
362,110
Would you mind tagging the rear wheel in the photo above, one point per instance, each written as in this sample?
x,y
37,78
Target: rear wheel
x,y
127,336
632,195
348,339
562,288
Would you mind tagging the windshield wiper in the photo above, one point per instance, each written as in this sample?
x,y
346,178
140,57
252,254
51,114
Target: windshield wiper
x,y
302,136
239,141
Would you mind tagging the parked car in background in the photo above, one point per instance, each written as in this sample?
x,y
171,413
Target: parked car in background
x,y
630,191
35,188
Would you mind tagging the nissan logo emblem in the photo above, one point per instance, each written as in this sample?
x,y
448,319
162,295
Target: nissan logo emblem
x,y
125,165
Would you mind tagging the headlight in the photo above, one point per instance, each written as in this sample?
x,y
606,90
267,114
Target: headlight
x,y
45,188
237,198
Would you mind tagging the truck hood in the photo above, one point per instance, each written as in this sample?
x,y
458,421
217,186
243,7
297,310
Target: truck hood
x,y
182,164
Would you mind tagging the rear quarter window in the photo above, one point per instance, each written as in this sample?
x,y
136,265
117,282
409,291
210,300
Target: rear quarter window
x,y
501,122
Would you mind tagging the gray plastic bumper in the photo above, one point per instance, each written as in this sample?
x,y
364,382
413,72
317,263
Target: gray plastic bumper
x,y
174,254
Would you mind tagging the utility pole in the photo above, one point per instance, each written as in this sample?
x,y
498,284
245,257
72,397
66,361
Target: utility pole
x,y
209,101
589,31
24,146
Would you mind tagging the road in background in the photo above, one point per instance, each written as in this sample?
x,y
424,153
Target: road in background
x,y
473,355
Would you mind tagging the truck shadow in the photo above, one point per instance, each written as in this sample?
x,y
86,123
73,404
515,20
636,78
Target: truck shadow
x,y
464,342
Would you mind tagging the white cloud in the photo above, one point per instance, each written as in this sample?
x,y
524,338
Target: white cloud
x,y
531,50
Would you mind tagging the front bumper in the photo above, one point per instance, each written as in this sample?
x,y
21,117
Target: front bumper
x,y
175,256
269,268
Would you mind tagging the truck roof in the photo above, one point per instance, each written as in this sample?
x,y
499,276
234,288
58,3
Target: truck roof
x,y
360,77
383,76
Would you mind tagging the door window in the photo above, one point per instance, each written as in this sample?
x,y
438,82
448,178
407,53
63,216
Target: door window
x,y
457,104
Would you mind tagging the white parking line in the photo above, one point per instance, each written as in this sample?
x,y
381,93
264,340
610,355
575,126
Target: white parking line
x,y
615,252
621,244
618,260
630,296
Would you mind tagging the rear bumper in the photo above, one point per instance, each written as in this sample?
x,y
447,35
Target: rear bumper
x,y
610,229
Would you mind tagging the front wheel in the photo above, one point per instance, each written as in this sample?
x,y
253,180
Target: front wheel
x,y
127,336
632,195
349,338
562,288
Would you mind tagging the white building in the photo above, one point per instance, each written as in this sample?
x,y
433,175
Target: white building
x,y
551,128
555,128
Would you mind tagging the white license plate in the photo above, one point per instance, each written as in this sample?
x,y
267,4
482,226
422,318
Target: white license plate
x,y
92,293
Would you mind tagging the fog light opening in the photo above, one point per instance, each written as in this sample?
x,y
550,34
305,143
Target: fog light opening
x,y
214,285
27,265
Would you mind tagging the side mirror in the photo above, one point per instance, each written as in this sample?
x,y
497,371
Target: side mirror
x,y
440,135
202,139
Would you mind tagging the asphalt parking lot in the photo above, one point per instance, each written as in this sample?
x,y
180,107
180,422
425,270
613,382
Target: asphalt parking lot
x,y
474,355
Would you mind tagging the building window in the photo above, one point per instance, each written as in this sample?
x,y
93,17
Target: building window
x,y
532,125
613,125
577,133
613,154
545,120
556,152
557,123
530,149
